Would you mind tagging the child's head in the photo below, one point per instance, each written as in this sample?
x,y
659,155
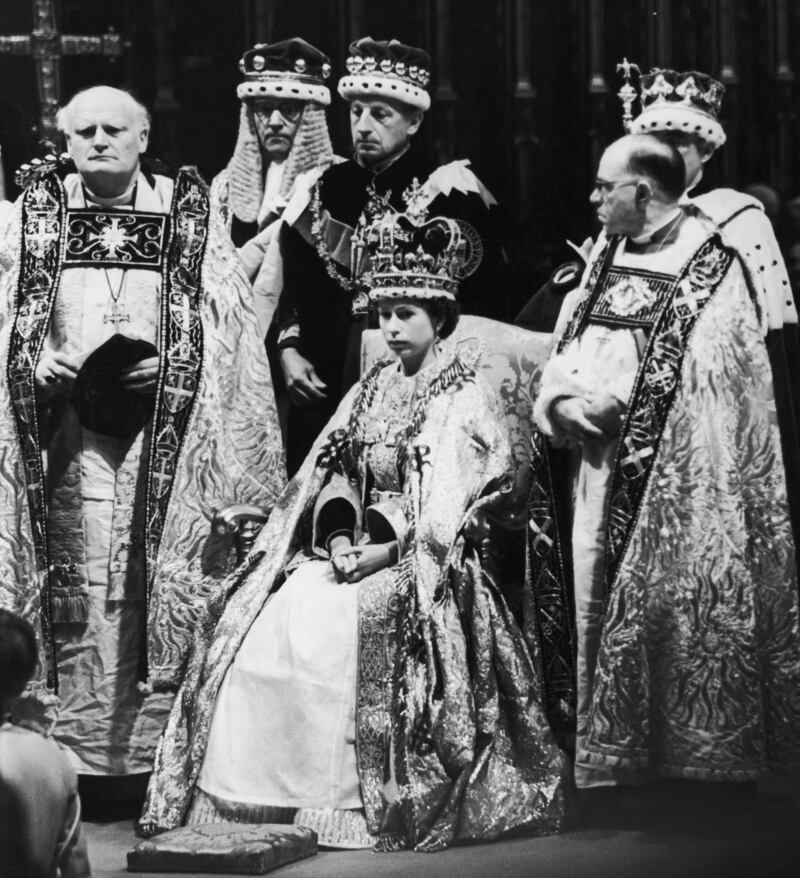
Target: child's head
x,y
18,655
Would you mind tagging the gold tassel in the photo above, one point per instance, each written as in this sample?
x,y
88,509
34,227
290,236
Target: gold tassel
x,y
69,606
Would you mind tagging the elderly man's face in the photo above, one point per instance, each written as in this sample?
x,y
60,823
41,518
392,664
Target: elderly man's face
x,y
276,123
614,195
381,128
106,137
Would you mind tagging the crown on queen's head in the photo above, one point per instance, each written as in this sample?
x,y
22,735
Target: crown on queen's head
x,y
412,256
292,69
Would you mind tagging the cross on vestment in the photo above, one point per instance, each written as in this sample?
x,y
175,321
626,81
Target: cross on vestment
x,y
116,315
47,46
542,533
182,313
691,298
42,236
637,456
179,389
660,375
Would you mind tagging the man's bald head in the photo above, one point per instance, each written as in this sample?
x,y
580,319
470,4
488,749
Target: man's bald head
x,y
107,94
106,131
638,178
646,156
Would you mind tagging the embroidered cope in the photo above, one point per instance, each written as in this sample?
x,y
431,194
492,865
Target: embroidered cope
x,y
108,537
685,585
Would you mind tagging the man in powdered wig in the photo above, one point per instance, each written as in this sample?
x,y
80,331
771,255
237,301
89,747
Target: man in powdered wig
x,y
282,133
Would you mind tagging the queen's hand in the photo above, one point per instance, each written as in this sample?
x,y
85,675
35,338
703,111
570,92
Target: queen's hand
x,y
354,563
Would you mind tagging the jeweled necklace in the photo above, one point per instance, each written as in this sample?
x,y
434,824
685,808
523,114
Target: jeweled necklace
x,y
345,282
376,206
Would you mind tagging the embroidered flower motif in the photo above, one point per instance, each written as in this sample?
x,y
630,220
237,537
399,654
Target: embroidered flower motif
x,y
112,238
630,296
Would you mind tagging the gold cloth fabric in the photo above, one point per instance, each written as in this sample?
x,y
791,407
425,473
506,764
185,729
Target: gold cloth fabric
x,y
448,698
698,666
231,453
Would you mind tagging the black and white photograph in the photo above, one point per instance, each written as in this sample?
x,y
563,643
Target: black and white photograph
x,y
399,438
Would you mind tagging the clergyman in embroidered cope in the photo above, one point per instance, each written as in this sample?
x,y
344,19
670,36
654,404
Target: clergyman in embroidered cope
x,y
688,646
109,540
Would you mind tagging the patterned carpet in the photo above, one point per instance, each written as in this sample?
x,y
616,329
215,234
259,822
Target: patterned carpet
x,y
671,830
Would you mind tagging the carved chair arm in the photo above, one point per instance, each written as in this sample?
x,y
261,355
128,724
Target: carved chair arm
x,y
485,522
506,510
244,521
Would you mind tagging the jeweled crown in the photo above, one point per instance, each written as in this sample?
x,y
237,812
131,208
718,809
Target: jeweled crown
x,y
693,89
387,68
409,72
292,69
673,101
413,256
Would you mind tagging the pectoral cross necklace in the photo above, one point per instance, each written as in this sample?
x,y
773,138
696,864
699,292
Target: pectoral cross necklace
x,y
115,314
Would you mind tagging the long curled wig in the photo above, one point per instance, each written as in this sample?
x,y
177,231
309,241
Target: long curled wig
x,y
311,148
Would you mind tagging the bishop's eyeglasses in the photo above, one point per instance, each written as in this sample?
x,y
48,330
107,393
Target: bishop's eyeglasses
x,y
606,187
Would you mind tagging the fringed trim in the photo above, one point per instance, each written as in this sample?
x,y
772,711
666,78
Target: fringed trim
x,y
337,827
160,680
149,828
69,606
390,843
206,808
644,764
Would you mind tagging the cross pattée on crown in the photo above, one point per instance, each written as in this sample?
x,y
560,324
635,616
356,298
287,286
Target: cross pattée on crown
x,y
416,203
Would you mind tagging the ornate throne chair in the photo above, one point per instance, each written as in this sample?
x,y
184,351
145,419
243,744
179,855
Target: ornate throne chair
x,y
511,359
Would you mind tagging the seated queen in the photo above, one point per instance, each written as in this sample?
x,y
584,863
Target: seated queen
x,y
366,677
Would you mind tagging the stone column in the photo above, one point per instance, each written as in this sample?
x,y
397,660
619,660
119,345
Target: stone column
x,y
444,95
598,86
165,106
524,104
